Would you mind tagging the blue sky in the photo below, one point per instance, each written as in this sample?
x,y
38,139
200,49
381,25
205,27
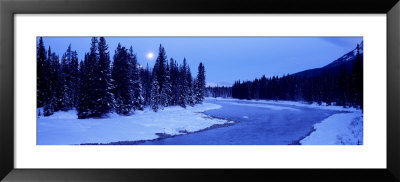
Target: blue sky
x,y
227,59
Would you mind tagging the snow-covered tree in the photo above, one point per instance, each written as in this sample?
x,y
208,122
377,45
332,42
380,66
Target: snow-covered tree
x,y
159,73
183,83
74,66
103,82
121,75
200,84
83,95
67,100
166,92
92,70
137,99
51,69
357,79
174,76
95,86
145,77
155,95
189,87
159,67
40,61
196,91
69,76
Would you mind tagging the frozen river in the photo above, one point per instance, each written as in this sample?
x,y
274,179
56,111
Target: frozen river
x,y
257,124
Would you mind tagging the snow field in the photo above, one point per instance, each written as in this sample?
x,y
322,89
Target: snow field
x,y
64,128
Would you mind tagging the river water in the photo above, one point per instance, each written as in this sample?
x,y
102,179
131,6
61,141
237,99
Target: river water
x,y
257,124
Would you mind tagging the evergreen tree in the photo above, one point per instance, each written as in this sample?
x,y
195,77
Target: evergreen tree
x,y
50,80
60,87
40,61
189,87
137,98
200,84
68,74
121,75
166,93
160,67
357,79
63,89
174,76
146,80
155,95
103,79
83,95
343,90
196,91
74,78
182,90
92,79
92,101
159,74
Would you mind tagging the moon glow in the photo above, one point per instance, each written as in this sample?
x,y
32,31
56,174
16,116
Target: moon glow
x,y
149,55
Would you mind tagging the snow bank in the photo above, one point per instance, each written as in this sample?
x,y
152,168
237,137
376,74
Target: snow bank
x,y
63,128
338,129
290,103
272,107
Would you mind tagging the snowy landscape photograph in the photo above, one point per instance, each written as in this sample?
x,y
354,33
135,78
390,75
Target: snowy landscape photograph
x,y
199,91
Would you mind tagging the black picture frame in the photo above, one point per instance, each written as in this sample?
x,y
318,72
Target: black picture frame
x,y
8,8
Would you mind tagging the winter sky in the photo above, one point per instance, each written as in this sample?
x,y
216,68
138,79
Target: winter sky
x,y
226,59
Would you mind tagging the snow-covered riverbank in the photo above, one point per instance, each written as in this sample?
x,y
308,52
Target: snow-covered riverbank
x,y
274,122
338,129
290,103
64,128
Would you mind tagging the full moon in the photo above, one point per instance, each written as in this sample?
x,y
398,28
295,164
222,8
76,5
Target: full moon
x,y
150,55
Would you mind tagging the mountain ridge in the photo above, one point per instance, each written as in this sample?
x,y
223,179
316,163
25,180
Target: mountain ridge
x,y
333,67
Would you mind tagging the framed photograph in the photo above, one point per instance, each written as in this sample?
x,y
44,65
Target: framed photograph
x,y
130,90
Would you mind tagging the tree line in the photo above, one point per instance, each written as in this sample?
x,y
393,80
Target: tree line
x,y
343,87
96,86
219,91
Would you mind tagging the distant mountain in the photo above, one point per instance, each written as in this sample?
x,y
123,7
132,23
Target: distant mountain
x,y
334,67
